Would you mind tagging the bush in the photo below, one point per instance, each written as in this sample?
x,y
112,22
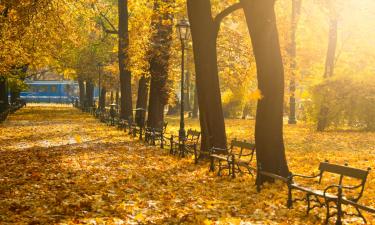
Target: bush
x,y
344,102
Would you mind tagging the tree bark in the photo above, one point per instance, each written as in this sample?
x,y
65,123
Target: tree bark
x,y
296,8
142,97
102,99
123,57
4,102
89,93
261,21
159,62
82,93
14,95
204,35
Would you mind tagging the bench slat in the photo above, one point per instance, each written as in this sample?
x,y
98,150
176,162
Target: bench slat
x,y
343,170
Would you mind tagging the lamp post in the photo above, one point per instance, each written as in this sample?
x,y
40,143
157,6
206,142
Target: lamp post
x,y
183,29
99,84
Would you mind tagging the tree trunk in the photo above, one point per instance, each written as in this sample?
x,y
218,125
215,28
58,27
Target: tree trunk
x,y
261,21
204,35
331,50
246,110
82,93
329,69
4,102
142,97
159,63
103,93
296,8
89,93
123,57
14,95
117,97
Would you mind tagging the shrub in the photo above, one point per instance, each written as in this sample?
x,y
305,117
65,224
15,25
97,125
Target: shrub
x,y
344,101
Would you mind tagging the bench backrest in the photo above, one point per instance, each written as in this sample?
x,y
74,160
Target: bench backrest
x,y
245,148
193,136
345,171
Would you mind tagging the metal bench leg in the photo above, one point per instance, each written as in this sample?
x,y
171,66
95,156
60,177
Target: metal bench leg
x,y
361,215
328,214
290,197
212,164
339,207
308,203
219,172
233,168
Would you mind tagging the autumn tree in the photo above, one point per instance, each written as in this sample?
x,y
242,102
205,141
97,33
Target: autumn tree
x,y
261,20
159,60
204,29
123,60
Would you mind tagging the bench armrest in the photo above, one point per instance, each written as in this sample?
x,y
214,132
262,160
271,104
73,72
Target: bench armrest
x,y
213,150
304,176
329,188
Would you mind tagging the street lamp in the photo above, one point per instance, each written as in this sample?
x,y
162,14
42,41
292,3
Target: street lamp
x,y
183,29
99,73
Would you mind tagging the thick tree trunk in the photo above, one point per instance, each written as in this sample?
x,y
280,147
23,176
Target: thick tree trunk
x,y
123,57
82,93
103,93
204,35
14,95
4,102
261,21
142,97
159,63
89,93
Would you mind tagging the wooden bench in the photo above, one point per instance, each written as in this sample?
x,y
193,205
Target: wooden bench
x,y
190,143
336,193
153,135
239,155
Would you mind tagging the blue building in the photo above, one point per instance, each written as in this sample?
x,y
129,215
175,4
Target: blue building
x,y
50,91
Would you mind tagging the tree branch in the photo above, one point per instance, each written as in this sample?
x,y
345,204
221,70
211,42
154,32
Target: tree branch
x,y
219,17
103,16
105,28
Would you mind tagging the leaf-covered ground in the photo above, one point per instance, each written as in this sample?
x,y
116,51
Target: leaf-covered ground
x,y
60,166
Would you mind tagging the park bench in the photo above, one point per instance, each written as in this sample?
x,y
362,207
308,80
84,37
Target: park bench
x,y
153,135
239,155
125,124
135,130
333,192
189,145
